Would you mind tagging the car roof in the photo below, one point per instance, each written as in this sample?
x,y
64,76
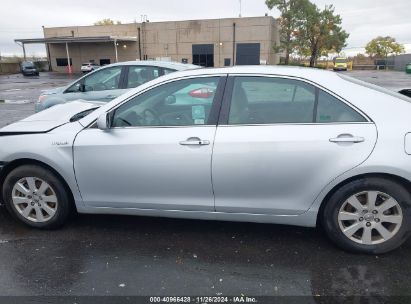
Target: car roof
x,y
286,71
163,64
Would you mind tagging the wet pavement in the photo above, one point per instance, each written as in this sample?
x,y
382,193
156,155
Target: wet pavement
x,y
18,93
120,255
391,80
19,88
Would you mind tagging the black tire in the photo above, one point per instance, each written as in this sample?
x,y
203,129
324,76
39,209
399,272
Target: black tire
x,y
64,206
330,214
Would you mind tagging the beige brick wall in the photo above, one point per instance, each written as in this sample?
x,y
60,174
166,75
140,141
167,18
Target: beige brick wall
x,y
168,39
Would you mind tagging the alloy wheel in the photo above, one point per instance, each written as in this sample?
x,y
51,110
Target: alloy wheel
x,y
34,199
370,217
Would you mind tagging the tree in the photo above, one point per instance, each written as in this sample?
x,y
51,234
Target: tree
x,y
321,33
106,21
382,47
292,11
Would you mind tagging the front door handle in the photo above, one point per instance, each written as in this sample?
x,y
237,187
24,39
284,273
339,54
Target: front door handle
x,y
347,138
195,141
111,96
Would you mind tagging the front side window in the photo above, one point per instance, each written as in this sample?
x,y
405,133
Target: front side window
x,y
138,75
269,100
181,103
105,79
74,88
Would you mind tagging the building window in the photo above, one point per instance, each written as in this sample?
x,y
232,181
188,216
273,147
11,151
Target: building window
x,y
104,61
227,62
248,54
63,62
203,55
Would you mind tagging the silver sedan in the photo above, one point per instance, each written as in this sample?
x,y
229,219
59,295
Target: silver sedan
x,y
276,145
107,83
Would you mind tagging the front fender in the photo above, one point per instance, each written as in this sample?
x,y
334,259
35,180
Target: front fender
x,y
54,149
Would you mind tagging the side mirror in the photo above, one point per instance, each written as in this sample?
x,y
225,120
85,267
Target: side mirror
x,y
103,122
82,87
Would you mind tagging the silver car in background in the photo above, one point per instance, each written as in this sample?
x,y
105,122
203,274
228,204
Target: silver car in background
x,y
292,146
108,82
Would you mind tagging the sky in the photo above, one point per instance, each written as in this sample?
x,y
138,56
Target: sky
x,y
363,19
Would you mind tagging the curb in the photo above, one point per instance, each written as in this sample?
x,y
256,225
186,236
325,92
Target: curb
x,y
15,101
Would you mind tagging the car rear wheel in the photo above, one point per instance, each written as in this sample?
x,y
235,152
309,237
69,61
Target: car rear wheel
x,y
36,197
370,215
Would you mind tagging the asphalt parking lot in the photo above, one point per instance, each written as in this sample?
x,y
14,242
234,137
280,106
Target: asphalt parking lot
x,y
117,255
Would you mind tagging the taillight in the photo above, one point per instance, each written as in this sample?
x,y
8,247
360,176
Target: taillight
x,y
202,93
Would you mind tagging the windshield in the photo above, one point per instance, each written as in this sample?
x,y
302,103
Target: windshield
x,y
28,64
341,60
375,87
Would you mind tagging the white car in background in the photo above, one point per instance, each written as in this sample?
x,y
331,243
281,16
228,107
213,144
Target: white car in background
x,y
89,67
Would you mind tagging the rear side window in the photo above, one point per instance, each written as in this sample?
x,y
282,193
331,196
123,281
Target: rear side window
x,y
168,71
269,100
264,100
330,109
138,75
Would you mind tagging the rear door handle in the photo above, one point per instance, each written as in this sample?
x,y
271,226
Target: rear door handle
x,y
195,142
347,138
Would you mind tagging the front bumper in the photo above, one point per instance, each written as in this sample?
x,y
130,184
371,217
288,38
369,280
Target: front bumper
x,y
340,68
30,72
2,165
38,107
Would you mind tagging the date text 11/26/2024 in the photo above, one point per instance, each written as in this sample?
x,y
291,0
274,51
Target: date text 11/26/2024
x,y
201,300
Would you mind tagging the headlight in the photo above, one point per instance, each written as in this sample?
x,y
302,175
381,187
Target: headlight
x,y
42,98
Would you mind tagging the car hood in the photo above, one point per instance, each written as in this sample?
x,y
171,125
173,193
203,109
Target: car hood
x,y
53,91
49,119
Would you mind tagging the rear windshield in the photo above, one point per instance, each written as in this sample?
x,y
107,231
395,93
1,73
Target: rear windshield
x,y
375,87
85,64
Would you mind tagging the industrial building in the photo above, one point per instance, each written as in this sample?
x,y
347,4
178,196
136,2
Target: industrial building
x,y
209,43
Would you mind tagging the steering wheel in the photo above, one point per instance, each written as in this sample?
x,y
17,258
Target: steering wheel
x,y
154,117
176,119
99,87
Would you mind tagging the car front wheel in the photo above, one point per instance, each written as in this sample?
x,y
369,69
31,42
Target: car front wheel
x,y
369,215
36,197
